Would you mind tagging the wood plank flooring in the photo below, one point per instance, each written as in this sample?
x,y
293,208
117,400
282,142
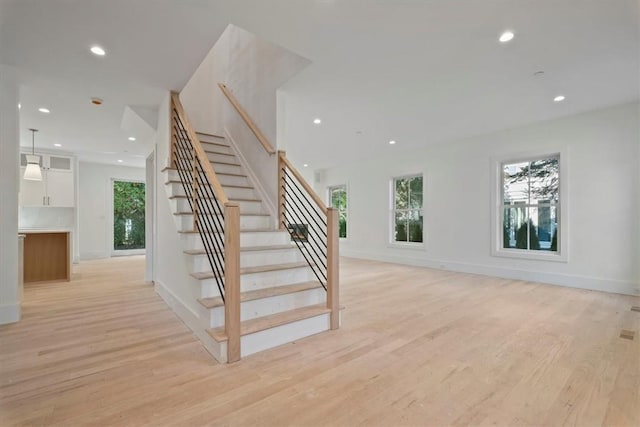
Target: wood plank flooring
x,y
417,347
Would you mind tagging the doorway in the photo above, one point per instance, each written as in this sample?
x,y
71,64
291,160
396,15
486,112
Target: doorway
x,y
128,231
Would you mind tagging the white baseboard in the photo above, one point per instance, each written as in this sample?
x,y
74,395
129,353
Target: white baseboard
x,y
9,313
192,320
84,256
569,280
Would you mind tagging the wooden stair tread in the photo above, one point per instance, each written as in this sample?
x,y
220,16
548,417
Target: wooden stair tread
x,y
248,187
242,230
225,163
210,134
240,199
218,152
262,293
245,249
267,322
180,196
202,275
237,199
241,214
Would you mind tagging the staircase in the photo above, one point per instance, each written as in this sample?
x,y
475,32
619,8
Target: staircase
x,y
280,298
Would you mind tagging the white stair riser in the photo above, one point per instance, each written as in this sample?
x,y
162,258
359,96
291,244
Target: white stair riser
x,y
272,305
172,175
251,207
239,193
283,334
253,258
233,180
224,168
185,222
218,144
250,282
224,158
181,204
264,238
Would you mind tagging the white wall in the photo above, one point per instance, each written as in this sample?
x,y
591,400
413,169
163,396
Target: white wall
x,y
603,150
253,69
10,293
171,274
95,205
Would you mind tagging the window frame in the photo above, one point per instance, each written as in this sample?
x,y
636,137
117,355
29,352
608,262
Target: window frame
x,y
346,210
562,208
392,213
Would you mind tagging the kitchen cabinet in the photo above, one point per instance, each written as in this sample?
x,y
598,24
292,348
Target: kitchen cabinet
x,y
56,188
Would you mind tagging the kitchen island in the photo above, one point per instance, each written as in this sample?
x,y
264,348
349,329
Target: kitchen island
x,y
47,255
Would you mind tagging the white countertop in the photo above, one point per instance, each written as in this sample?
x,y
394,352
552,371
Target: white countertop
x,y
43,230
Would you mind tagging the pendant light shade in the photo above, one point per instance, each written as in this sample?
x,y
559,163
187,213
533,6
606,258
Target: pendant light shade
x,y
33,172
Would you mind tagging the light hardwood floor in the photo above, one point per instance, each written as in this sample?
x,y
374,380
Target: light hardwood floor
x,y
416,347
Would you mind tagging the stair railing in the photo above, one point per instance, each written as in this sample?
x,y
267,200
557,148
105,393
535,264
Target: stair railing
x,y
215,218
312,226
247,119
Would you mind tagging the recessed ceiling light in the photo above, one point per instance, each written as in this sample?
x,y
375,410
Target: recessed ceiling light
x,y
119,161
558,98
19,106
132,138
57,145
97,50
44,110
305,165
317,121
507,36
392,142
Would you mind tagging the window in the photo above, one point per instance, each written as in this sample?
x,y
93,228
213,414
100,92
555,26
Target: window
x,y
407,209
128,215
530,205
338,200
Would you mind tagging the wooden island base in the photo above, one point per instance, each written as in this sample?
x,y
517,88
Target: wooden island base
x,y
46,257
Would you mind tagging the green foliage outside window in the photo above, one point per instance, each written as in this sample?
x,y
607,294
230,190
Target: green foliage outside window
x,y
408,209
521,237
338,197
128,215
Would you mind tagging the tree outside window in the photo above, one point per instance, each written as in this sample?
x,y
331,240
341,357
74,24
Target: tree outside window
x,y
407,209
128,215
338,200
530,204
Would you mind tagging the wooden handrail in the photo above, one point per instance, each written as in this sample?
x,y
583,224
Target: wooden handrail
x,y
283,158
204,160
247,119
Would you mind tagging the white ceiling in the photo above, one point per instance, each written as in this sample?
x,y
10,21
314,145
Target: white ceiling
x,y
416,71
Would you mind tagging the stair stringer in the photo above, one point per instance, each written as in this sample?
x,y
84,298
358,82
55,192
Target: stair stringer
x,y
197,320
253,179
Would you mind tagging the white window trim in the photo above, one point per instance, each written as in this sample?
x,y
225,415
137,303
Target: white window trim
x,y
346,188
562,255
110,220
392,220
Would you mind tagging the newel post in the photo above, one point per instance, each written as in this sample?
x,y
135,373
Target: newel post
x,y
232,279
333,267
281,186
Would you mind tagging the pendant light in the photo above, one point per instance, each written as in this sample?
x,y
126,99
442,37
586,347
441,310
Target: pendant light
x,y
33,172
